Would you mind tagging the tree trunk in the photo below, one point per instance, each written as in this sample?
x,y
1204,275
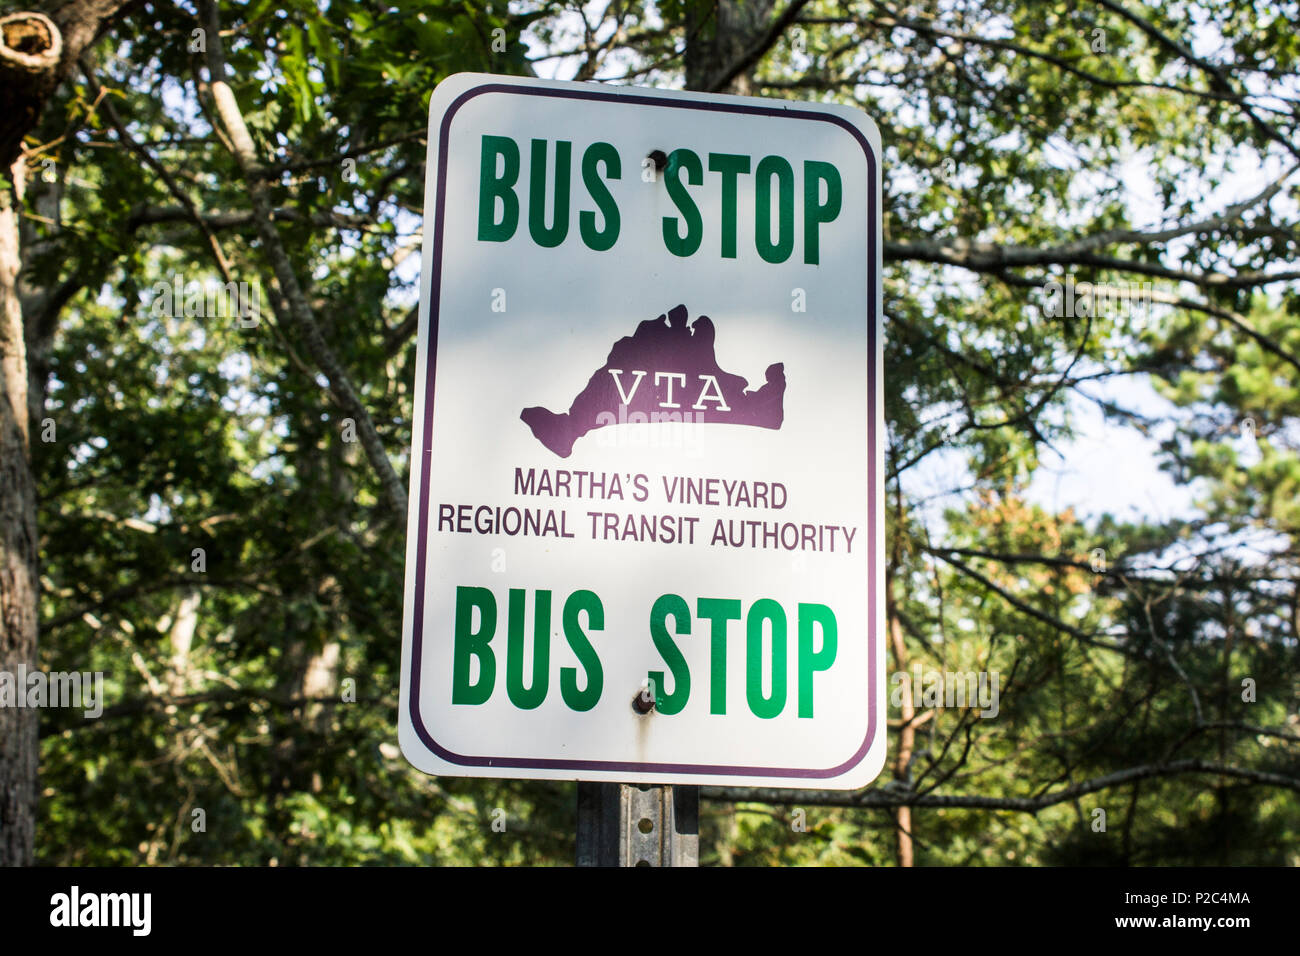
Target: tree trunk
x,y
19,584
36,53
907,733
719,35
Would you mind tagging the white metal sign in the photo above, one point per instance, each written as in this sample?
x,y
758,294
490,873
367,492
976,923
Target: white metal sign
x,y
646,463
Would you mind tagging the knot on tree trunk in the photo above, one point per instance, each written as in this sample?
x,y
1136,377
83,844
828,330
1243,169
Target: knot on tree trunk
x,y
29,42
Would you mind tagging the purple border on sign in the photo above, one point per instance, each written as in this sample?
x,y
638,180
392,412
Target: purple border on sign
x,y
631,766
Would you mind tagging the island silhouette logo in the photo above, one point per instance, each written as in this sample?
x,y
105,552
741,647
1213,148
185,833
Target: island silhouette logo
x,y
665,371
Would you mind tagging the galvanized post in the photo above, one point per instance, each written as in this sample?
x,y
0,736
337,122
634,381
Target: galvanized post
x,y
623,824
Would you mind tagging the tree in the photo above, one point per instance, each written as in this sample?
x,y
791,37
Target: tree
x,y
281,146
37,52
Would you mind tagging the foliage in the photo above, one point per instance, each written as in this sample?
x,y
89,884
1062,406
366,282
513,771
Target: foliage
x,y
1008,126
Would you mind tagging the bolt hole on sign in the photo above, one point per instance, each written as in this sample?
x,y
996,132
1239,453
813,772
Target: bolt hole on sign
x,y
646,525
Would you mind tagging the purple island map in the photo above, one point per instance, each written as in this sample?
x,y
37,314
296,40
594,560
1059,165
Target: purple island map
x,y
665,371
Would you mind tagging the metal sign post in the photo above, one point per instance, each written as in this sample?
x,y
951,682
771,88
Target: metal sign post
x,y
623,824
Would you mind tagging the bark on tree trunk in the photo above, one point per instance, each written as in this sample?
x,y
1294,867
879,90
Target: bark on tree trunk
x,y
19,582
36,53
907,712
31,46
718,36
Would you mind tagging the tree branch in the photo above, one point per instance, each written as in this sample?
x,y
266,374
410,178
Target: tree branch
x,y
299,310
891,797
776,29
